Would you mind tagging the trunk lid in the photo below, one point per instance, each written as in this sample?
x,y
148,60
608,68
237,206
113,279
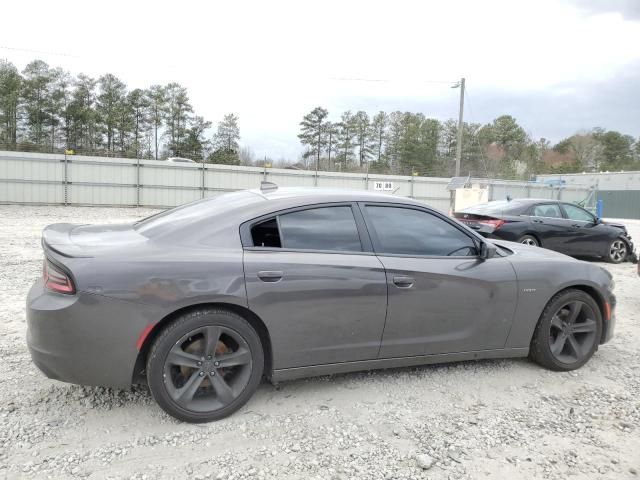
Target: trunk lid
x,y
483,224
72,240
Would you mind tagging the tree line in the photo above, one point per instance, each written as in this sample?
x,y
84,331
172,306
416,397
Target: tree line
x,y
46,109
410,143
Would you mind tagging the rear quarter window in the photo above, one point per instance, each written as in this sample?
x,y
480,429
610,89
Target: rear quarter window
x,y
322,228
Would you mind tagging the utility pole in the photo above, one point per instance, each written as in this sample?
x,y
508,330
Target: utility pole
x,y
460,125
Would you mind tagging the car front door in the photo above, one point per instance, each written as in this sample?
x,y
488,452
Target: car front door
x,y
443,298
588,237
312,277
553,230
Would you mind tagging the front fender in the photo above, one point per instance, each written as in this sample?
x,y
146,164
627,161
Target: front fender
x,y
538,281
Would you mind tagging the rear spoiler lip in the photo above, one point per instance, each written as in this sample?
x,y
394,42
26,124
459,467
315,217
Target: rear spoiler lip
x,y
55,238
460,215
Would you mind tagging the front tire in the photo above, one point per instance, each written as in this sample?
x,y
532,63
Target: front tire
x,y
568,331
205,365
618,251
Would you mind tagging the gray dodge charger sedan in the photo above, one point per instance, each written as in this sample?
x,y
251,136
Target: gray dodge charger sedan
x,y
203,300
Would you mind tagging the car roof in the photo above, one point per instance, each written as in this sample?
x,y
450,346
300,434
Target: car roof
x,y
305,194
530,200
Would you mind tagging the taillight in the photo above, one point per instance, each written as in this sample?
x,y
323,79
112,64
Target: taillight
x,y
496,224
56,280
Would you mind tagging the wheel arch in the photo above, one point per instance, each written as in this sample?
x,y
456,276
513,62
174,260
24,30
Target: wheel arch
x,y
256,322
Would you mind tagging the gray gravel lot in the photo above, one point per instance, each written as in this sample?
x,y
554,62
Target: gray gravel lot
x,y
488,419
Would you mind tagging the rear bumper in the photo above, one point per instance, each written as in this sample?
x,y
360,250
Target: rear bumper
x,y
85,339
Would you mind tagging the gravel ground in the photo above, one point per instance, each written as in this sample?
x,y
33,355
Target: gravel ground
x,y
488,419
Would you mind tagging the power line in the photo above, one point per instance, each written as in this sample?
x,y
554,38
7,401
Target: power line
x,y
386,80
39,52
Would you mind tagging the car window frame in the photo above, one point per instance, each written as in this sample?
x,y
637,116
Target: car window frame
x,y
375,241
566,215
365,242
557,204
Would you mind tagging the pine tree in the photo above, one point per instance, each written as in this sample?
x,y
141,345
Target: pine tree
x,y
312,132
346,140
177,116
363,136
226,141
330,133
10,89
82,112
227,136
195,142
110,99
157,99
379,134
395,132
138,102
36,95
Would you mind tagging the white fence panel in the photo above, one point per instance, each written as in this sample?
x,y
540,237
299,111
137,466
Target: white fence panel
x,y
167,197
80,194
291,178
80,180
94,172
23,192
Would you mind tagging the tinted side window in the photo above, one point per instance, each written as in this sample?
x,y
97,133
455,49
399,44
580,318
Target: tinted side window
x,y
577,213
266,234
413,232
550,210
325,228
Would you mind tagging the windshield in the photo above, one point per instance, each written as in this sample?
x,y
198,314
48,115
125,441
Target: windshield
x,y
194,211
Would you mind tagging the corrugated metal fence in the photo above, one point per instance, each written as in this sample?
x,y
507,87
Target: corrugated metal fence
x,y
619,191
76,180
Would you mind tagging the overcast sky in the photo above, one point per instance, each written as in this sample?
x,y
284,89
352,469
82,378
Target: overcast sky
x,y
557,66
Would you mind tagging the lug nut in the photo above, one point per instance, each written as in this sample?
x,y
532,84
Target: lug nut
x,y
217,364
209,357
201,374
213,374
199,363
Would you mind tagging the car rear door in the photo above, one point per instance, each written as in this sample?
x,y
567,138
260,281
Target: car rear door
x,y
553,230
442,297
312,277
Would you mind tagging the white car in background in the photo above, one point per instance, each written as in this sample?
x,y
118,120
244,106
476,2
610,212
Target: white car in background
x,y
180,160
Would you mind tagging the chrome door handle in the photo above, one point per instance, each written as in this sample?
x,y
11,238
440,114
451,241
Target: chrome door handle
x,y
270,276
403,281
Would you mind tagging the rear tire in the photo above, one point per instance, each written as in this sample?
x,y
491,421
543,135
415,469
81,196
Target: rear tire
x,y
529,240
618,251
205,365
568,331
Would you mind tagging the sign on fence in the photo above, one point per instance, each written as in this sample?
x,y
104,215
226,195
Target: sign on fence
x,y
384,186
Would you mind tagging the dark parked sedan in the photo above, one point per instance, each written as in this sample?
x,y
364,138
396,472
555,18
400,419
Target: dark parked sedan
x,y
560,226
203,300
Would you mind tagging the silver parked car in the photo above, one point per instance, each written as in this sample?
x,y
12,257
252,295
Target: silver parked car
x,y
203,300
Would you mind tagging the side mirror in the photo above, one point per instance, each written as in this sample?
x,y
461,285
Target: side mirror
x,y
487,250
597,221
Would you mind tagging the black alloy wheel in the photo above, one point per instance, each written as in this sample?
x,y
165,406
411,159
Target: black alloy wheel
x,y
568,332
572,332
205,365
